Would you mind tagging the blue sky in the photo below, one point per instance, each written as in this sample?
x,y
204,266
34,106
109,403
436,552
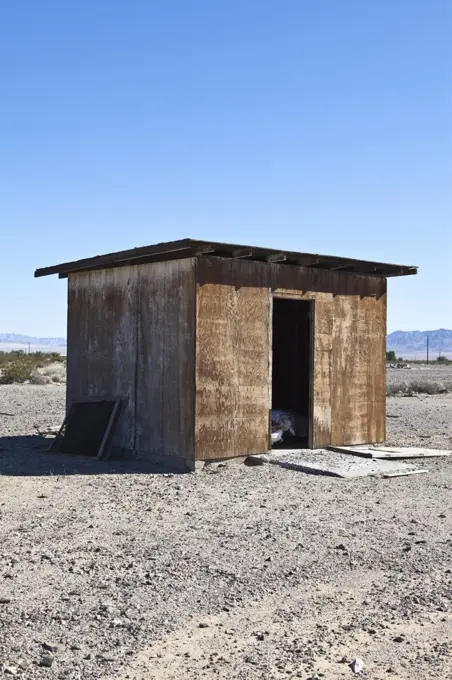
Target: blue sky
x,y
312,125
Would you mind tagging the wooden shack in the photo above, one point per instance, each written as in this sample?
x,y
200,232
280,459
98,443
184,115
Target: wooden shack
x,y
201,340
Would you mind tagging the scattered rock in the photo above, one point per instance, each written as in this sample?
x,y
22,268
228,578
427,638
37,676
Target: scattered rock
x,y
53,647
5,600
46,660
203,625
253,461
357,665
11,670
399,638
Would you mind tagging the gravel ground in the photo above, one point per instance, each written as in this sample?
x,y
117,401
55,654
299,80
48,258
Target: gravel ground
x,y
233,572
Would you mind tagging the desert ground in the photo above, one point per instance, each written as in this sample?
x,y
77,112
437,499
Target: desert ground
x,y
231,572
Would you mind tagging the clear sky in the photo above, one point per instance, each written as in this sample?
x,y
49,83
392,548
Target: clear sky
x,y
316,125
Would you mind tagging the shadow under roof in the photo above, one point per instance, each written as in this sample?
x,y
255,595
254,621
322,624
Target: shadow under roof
x,y
193,248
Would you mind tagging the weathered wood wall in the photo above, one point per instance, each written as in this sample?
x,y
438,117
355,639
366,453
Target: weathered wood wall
x,y
232,369
131,333
348,363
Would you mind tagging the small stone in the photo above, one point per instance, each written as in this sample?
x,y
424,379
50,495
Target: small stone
x,y
341,546
53,647
106,657
5,600
253,461
399,638
203,625
11,670
357,665
46,660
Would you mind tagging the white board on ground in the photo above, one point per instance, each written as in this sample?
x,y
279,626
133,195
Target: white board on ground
x,y
334,464
388,452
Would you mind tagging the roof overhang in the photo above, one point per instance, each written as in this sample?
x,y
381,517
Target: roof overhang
x,y
193,248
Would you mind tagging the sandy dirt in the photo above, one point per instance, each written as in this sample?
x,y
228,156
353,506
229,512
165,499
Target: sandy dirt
x,y
233,572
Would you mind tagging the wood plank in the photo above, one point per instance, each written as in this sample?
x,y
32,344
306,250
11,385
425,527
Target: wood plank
x,y
102,342
323,329
131,335
166,353
388,475
105,447
382,453
359,366
89,263
232,371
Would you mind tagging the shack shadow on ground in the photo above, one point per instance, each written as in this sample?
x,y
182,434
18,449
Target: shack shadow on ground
x,y
27,456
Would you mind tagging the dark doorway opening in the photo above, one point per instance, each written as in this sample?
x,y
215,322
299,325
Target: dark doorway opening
x,y
291,367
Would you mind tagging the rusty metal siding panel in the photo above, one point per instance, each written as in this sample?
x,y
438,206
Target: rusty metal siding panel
x,y
232,371
131,334
359,389
166,352
102,341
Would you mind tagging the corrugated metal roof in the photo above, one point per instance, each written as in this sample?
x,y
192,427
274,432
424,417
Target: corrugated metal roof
x,y
191,248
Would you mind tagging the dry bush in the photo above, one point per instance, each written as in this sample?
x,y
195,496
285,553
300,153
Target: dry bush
x,y
15,372
418,387
394,389
39,379
429,387
56,372
18,367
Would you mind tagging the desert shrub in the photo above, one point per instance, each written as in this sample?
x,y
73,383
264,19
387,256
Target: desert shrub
x,y
418,387
393,389
39,379
390,356
56,372
428,387
442,359
17,366
16,372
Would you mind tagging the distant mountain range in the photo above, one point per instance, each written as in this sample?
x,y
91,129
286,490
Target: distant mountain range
x,y
17,339
414,343
408,343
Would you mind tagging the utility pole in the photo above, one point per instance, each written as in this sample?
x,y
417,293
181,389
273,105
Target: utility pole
x,y
427,348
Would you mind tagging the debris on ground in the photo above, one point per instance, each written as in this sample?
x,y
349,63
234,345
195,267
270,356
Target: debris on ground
x,y
335,464
390,452
357,665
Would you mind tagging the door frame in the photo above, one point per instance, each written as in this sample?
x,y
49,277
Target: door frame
x,y
299,297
